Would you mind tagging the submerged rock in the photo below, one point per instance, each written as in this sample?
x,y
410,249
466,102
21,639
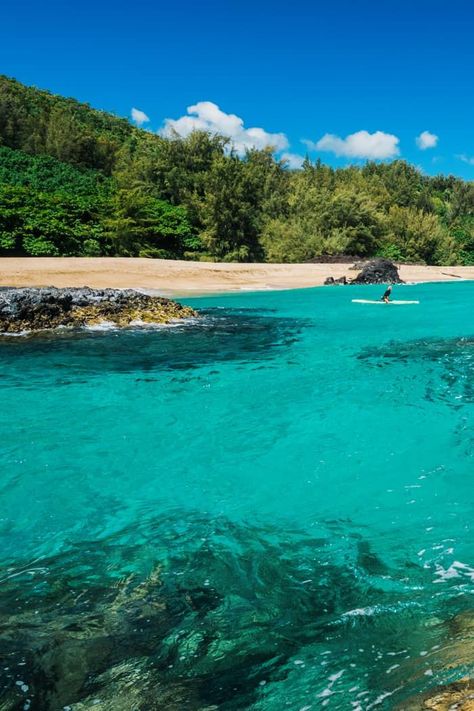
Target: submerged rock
x,y
31,309
378,271
204,620
458,696
135,684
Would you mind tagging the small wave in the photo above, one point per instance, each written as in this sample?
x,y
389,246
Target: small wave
x,y
142,325
102,326
20,334
33,331
372,610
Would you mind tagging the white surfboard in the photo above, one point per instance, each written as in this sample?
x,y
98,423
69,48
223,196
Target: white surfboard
x,y
384,303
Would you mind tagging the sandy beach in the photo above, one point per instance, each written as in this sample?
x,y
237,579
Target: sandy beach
x,y
179,278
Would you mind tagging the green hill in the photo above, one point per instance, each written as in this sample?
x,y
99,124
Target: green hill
x,y
48,174
78,181
39,122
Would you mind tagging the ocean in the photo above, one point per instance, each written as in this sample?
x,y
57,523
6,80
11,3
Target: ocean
x,y
267,507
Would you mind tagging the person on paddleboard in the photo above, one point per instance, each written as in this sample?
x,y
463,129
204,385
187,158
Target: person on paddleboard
x,y
386,296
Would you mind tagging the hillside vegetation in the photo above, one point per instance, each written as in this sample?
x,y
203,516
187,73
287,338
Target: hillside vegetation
x,y
77,181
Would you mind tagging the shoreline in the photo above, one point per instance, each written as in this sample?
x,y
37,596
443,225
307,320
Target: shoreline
x,y
174,278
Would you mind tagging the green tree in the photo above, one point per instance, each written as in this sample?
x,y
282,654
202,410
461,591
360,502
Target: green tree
x,y
74,180
40,224
140,225
418,236
230,213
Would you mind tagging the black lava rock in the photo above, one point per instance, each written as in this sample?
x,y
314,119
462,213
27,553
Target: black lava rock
x,y
331,280
378,271
50,307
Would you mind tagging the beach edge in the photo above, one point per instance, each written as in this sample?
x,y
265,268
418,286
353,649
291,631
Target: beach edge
x,y
175,278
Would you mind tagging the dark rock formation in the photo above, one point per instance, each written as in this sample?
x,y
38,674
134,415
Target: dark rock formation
x,y
357,266
331,280
378,271
30,309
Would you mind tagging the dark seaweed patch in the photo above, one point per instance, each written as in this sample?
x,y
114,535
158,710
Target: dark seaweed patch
x,y
218,337
218,606
183,612
448,370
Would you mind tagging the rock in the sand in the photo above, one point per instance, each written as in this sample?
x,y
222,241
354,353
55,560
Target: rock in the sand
x,y
378,271
357,266
331,280
32,309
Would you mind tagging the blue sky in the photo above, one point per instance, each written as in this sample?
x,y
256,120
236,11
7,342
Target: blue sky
x,y
331,74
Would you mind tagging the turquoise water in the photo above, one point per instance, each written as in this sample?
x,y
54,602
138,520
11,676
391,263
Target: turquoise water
x,y
268,508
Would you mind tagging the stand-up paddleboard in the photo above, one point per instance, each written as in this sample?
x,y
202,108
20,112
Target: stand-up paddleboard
x,y
385,303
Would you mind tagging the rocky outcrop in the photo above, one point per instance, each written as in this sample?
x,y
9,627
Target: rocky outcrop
x,y
455,652
359,265
331,280
458,696
378,271
31,309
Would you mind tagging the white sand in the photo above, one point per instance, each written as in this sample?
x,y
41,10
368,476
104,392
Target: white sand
x,y
179,278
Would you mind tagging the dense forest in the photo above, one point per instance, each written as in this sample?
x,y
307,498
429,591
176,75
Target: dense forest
x,y
80,182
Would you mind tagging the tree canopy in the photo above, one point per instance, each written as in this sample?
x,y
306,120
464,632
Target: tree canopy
x,y
77,181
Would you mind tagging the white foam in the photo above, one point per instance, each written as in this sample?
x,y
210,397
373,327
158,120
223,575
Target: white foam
x,y
455,570
381,698
360,611
377,609
328,691
102,326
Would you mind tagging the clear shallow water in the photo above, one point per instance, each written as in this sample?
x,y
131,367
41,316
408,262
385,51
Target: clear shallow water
x,y
270,508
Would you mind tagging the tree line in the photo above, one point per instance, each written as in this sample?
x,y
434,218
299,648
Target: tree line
x,y
80,182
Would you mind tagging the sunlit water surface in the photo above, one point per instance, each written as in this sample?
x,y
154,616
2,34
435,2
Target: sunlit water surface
x,y
268,508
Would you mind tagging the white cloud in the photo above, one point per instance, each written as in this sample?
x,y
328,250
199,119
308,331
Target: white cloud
x,y
465,159
207,116
139,117
293,160
426,140
310,145
362,144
